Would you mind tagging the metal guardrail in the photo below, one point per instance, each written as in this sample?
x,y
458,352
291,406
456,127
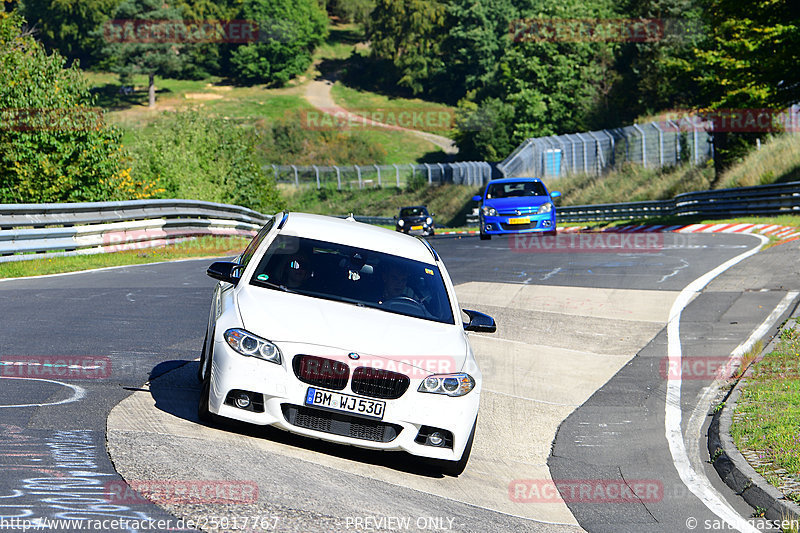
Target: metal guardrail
x,y
29,230
776,199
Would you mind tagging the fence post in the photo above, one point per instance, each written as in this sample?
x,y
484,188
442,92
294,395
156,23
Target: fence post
x,y
613,148
316,173
296,180
397,174
677,142
358,171
441,169
644,145
379,174
427,166
338,178
275,172
660,144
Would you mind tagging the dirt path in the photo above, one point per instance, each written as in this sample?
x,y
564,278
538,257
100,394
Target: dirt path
x,y
318,94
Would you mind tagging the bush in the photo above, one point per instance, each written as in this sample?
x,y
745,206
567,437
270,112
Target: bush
x,y
54,147
193,156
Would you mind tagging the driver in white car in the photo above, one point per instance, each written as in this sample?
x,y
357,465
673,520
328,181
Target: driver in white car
x,y
395,284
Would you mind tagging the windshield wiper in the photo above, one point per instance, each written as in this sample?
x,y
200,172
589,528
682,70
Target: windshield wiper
x,y
275,286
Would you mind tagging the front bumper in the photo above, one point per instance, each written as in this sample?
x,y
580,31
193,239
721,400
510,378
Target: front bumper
x,y
416,229
283,406
502,224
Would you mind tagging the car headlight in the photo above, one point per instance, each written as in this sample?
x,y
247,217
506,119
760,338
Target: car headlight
x,y
429,220
401,223
545,208
489,211
449,384
248,344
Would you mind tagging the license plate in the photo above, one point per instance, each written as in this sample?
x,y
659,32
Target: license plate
x,y
521,220
415,228
345,402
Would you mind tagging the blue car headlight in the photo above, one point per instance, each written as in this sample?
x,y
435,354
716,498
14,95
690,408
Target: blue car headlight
x,y
545,208
489,211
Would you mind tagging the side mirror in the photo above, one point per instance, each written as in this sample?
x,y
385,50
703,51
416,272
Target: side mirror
x,y
477,198
225,271
479,322
555,194
433,214
395,217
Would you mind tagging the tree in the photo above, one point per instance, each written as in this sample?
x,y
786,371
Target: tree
x,y
409,34
69,26
748,61
289,31
476,37
147,37
54,147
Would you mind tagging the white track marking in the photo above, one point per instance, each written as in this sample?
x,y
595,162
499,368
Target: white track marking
x,y
698,484
77,393
695,425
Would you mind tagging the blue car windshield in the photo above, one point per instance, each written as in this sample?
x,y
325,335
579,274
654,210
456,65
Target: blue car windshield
x,y
515,189
353,275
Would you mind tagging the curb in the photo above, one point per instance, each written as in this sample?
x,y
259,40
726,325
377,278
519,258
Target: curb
x,y
734,469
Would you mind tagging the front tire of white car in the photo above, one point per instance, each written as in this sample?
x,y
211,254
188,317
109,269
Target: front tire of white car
x,y
456,468
203,412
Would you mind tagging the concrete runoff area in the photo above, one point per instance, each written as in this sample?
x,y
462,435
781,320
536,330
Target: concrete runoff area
x,y
530,386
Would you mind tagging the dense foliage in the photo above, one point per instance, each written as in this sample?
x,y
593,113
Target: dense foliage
x,y
289,31
193,156
54,146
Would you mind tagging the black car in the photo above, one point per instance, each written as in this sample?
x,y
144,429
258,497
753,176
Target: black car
x,y
415,220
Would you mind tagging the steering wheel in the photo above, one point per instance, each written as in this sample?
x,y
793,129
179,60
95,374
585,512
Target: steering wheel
x,y
406,301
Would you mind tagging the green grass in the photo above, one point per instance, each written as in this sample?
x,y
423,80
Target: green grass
x,y
767,415
777,161
431,117
200,247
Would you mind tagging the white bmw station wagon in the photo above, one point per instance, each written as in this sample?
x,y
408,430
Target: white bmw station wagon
x,y
346,332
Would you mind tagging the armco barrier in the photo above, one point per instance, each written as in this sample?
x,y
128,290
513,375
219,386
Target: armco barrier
x,y
28,230
779,199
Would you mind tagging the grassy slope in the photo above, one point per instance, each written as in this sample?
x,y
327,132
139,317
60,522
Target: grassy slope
x,y
254,103
778,160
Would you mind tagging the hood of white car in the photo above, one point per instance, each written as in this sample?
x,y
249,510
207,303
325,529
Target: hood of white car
x,y
291,318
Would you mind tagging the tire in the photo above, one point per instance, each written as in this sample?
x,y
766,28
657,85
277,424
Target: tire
x,y
551,233
485,237
203,412
200,372
456,468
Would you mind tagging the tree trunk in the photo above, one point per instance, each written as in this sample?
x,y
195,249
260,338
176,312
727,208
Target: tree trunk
x,y
152,90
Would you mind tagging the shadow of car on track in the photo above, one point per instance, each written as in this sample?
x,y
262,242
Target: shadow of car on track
x,y
175,389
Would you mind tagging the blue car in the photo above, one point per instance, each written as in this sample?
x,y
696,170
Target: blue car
x,y
516,205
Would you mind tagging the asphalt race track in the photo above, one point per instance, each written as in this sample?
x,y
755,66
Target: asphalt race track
x,y
98,383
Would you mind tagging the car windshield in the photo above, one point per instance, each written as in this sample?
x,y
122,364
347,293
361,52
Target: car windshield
x,y
366,278
413,212
511,190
